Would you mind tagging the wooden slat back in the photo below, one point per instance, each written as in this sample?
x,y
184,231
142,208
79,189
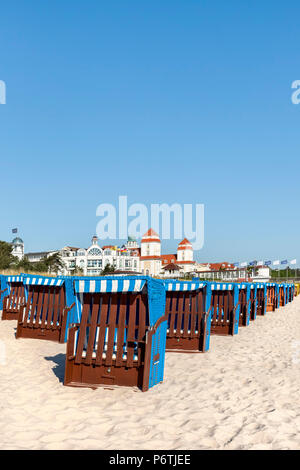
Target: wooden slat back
x,y
281,294
260,299
270,295
243,302
185,311
252,302
16,297
222,307
112,329
44,307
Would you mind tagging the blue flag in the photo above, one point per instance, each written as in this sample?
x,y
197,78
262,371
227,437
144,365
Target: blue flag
x,y
14,230
285,261
268,263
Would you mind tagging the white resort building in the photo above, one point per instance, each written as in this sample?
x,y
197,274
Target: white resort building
x,y
130,258
91,261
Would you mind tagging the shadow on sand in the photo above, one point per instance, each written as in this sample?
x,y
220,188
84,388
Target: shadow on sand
x,y
59,365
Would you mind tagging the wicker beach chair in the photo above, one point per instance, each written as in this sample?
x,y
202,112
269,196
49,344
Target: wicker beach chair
x,y
261,299
225,308
253,301
244,301
119,335
282,295
45,314
14,299
189,323
272,296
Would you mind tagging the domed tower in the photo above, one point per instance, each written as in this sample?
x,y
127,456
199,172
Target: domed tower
x,y
95,240
18,247
131,243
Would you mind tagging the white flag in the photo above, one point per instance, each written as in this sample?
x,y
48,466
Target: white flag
x,y
276,263
294,261
243,265
260,263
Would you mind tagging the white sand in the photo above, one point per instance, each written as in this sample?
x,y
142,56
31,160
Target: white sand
x,y
243,394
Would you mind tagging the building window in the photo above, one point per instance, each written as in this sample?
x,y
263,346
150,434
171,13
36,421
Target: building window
x,y
95,252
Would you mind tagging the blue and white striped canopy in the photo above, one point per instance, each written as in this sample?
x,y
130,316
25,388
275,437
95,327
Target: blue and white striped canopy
x,y
43,281
108,285
15,279
222,286
183,286
242,286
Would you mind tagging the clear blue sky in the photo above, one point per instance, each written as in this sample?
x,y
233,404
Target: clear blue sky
x,y
164,101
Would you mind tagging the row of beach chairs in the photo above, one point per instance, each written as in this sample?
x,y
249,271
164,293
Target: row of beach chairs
x,y
118,328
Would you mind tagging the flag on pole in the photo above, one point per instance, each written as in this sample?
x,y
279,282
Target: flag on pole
x,y
236,265
276,263
252,263
285,261
244,264
268,263
260,263
293,261
14,230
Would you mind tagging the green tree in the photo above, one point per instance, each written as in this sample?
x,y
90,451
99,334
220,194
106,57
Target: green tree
x,y
109,269
25,265
77,271
54,263
7,260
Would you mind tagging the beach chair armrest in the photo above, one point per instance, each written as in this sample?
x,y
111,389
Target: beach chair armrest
x,y
66,310
158,323
70,343
2,291
21,311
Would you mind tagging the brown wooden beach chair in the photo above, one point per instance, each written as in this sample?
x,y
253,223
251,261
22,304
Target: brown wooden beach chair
x,y
244,302
282,295
188,324
15,298
225,309
261,299
120,335
271,298
44,315
253,301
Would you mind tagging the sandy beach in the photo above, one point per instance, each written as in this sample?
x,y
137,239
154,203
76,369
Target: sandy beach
x,y
243,394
